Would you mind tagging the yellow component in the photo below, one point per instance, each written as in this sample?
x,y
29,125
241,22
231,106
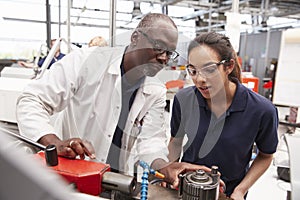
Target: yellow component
x,y
159,175
182,67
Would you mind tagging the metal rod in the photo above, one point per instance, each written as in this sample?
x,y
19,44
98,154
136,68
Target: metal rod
x,y
59,18
48,23
50,150
112,23
27,140
69,26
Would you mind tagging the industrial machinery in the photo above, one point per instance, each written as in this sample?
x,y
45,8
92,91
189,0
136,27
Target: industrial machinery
x,y
91,177
96,179
199,185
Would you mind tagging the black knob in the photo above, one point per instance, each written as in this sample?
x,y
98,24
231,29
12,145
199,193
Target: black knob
x,y
51,155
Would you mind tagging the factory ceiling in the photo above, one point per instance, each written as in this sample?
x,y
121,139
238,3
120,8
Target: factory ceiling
x,y
210,13
202,15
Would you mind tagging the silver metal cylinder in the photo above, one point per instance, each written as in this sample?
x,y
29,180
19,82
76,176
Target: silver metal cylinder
x,y
119,182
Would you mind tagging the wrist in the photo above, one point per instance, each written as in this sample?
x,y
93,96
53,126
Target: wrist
x,y
240,190
158,164
49,139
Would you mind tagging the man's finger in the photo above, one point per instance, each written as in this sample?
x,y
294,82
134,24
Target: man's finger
x,y
88,149
77,147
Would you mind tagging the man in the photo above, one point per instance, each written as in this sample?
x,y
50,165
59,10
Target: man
x,y
57,56
97,41
109,105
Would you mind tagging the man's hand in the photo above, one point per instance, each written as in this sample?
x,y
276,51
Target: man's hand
x,y
70,148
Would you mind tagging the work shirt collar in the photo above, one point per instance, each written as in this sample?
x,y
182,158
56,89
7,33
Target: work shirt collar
x,y
238,103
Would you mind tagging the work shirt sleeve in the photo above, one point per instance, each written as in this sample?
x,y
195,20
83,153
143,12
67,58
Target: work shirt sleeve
x,y
267,138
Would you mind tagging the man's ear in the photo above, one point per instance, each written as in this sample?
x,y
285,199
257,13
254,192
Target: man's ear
x,y
134,38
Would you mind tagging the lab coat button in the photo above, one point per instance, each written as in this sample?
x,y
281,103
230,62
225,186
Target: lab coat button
x,y
102,160
109,135
92,115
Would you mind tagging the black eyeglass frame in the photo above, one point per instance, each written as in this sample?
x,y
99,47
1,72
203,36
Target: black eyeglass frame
x,y
201,70
159,49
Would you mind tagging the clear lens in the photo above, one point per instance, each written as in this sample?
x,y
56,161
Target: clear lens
x,y
158,48
207,71
171,54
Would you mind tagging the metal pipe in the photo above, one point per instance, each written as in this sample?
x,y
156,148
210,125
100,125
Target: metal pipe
x,y
209,21
69,26
112,23
267,47
48,23
59,18
235,6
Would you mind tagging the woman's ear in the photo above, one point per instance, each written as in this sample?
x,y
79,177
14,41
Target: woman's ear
x,y
230,66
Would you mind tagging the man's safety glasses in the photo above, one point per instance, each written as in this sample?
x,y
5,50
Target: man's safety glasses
x,y
172,54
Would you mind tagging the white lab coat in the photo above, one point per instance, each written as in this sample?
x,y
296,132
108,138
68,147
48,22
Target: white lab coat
x,y
85,86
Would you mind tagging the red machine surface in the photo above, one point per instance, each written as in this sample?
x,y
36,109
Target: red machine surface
x,y
86,175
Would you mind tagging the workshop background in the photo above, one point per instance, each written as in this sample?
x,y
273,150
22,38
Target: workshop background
x,y
262,32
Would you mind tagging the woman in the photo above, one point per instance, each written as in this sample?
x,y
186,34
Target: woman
x,y
221,118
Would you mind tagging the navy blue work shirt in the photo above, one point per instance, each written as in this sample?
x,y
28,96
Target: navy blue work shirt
x,y
56,58
229,139
128,95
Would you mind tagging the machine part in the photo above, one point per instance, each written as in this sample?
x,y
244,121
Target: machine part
x,y
155,192
200,185
85,175
50,150
51,155
119,182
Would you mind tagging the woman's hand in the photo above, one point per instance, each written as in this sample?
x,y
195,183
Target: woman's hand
x,y
237,196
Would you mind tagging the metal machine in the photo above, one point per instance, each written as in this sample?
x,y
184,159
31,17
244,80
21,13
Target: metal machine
x,y
200,185
95,178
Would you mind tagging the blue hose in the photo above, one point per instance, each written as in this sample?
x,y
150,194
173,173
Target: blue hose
x,y
145,182
144,185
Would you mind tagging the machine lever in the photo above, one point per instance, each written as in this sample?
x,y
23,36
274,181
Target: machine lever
x,y
50,150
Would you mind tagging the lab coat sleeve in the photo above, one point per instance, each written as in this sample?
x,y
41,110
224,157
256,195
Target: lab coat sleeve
x,y
48,95
152,140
